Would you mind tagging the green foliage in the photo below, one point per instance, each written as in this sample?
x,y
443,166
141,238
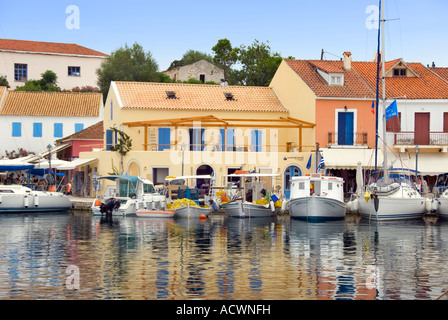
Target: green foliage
x,y
189,57
124,144
127,64
164,78
17,154
4,82
225,55
46,83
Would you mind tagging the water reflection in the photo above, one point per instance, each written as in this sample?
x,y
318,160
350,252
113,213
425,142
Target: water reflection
x,y
220,258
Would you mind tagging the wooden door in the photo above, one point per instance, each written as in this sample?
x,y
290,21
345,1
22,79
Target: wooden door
x,y
421,130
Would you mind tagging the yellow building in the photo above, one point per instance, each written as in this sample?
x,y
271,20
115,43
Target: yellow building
x,y
194,129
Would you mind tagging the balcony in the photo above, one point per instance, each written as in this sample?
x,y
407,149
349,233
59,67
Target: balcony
x,y
407,138
359,139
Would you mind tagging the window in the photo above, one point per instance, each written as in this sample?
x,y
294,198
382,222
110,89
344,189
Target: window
x,y
109,139
230,143
16,129
394,124
336,80
74,71
79,127
202,78
20,72
159,175
57,132
37,130
399,72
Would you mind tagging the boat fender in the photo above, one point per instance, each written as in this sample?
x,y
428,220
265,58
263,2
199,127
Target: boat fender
x,y
36,200
26,201
272,206
215,206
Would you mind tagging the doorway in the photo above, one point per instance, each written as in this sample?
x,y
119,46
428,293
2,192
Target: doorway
x,y
345,128
291,171
421,129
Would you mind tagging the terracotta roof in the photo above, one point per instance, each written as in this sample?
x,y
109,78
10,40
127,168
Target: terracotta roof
x,y
426,86
441,72
47,47
94,132
354,86
61,104
197,97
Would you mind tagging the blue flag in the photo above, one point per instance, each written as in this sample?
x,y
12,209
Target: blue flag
x,y
391,110
308,165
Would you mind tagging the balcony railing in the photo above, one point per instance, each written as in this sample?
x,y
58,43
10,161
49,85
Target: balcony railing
x,y
408,138
360,138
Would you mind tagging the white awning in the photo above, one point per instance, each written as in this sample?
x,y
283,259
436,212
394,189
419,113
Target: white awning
x,y
55,164
347,159
77,163
429,164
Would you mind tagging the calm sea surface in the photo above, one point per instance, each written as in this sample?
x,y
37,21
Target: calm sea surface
x,y
45,256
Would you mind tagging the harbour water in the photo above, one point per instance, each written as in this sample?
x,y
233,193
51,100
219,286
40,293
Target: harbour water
x,y
72,255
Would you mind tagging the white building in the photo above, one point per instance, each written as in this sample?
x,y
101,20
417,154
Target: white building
x,y
33,120
74,65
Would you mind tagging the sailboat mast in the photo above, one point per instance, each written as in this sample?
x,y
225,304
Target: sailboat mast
x,y
383,79
378,57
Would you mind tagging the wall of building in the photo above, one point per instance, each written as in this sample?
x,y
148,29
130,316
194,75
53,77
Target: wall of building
x,y
194,70
39,63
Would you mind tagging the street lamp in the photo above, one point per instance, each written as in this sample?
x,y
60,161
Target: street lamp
x,y
417,150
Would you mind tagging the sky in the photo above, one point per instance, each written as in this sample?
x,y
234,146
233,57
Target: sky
x,y
417,31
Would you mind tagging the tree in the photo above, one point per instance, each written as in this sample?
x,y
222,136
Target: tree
x,y
258,63
123,146
4,82
225,56
189,57
127,64
46,83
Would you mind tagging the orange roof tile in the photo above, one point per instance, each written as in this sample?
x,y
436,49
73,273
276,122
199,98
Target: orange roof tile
x,y
47,47
354,86
61,104
197,97
441,72
94,132
426,86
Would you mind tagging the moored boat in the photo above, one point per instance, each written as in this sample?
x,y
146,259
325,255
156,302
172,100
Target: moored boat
x,y
148,213
129,194
317,197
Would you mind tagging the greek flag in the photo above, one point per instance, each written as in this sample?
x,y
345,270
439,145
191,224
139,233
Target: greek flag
x,y
321,164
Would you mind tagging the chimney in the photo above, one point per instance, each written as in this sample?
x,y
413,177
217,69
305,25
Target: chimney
x,y
347,61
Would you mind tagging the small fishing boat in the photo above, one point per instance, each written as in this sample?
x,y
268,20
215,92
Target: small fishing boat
x,y
247,207
148,213
129,194
317,197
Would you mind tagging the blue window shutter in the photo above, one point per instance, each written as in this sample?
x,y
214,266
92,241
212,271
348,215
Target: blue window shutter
x,y
164,139
256,140
221,139
37,130
79,127
108,139
58,130
16,129
230,139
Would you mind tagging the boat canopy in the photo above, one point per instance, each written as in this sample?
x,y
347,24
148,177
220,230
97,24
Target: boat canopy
x,y
42,172
126,177
18,167
205,176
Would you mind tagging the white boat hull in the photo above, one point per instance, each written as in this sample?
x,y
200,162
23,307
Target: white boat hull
x,y
191,212
442,209
251,210
35,201
393,208
128,207
142,213
317,208
234,209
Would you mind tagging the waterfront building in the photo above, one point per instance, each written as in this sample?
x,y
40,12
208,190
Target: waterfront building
x,y
194,129
74,65
34,120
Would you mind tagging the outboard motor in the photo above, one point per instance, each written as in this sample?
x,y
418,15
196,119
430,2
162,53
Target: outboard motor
x,y
109,206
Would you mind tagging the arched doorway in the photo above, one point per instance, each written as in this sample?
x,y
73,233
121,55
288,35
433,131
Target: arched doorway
x,y
204,184
133,169
291,171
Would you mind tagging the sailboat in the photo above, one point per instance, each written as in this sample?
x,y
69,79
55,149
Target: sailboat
x,y
392,197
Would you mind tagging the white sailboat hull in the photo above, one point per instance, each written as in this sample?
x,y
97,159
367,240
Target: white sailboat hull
x,y
443,207
317,208
390,208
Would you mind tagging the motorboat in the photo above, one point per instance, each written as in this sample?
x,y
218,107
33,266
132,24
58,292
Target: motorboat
x,y
317,197
131,193
17,198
